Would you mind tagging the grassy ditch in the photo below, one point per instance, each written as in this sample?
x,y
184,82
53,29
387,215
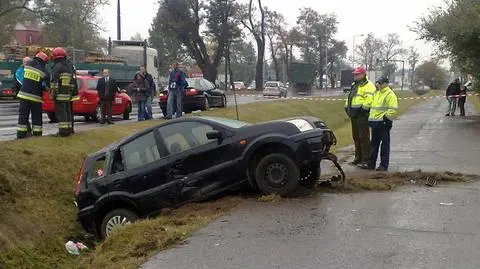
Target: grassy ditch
x,y
475,100
36,193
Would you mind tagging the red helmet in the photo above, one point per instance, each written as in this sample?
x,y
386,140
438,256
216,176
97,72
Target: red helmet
x,y
359,70
59,53
43,56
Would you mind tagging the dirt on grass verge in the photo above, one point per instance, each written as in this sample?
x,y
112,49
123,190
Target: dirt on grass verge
x,y
381,181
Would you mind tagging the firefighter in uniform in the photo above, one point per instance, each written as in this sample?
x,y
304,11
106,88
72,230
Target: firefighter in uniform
x,y
357,107
74,95
383,111
61,88
31,95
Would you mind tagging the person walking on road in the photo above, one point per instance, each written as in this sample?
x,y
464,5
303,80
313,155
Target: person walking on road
x,y
142,93
61,90
150,85
31,96
383,111
451,94
357,107
176,87
106,88
462,99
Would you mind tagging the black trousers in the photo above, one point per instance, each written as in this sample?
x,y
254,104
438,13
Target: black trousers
x,y
380,141
25,109
106,111
72,119
62,111
461,104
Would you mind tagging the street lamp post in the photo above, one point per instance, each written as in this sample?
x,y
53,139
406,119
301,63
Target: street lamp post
x,y
353,49
119,32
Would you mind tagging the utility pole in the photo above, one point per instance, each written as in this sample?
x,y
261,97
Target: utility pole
x,y
119,27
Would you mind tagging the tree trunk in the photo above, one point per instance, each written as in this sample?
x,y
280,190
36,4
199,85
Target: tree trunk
x,y
413,76
259,67
210,72
230,71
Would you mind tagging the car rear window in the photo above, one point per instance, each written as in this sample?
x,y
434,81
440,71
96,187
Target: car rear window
x,y
90,83
274,84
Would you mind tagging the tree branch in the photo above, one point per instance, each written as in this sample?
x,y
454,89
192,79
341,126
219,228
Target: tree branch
x,y
11,9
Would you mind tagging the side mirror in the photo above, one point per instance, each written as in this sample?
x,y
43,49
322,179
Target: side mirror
x,y
214,135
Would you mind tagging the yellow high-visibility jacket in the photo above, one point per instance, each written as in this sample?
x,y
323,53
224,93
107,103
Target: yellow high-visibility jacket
x,y
384,106
359,98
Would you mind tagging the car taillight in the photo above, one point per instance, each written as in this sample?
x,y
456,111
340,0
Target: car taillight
x,y
191,92
163,96
79,178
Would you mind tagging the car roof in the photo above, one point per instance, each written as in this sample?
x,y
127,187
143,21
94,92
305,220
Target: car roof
x,y
87,77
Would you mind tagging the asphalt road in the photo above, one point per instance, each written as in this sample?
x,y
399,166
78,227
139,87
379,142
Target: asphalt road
x,y
409,228
9,114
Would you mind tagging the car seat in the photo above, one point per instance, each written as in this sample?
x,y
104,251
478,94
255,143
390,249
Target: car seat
x,y
175,148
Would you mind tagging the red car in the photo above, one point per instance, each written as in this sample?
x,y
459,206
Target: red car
x,y
89,104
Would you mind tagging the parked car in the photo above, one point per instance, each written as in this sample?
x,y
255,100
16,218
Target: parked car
x,y
200,94
251,87
275,88
89,103
193,158
239,85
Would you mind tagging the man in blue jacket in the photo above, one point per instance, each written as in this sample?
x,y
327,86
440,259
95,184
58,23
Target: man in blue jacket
x,y
176,87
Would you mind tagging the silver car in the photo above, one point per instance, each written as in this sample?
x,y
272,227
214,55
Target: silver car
x,y
275,88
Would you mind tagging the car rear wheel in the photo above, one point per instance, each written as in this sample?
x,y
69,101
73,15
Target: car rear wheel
x,y
206,104
277,173
52,117
116,218
128,110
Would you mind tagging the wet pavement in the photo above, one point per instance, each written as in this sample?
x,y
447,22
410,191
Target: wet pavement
x,y
413,227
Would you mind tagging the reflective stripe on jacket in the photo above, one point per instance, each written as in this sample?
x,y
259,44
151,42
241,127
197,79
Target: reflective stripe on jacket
x,y
384,104
33,77
360,97
61,81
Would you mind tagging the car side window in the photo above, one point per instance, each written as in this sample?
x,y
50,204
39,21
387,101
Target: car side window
x,y
79,83
97,169
141,151
209,84
183,136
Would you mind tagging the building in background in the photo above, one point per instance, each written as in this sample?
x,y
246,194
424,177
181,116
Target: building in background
x,y
27,34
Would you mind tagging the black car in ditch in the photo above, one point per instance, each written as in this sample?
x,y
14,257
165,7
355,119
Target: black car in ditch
x,y
193,158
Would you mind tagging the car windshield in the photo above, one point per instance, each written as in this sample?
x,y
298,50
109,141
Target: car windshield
x,y
271,84
228,122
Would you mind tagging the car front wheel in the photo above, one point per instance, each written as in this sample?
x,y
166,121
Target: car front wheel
x,y
206,104
277,173
310,176
116,218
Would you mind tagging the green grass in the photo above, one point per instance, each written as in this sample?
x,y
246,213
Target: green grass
x,y
36,193
475,100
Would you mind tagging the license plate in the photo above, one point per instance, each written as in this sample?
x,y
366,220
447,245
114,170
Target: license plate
x,y
118,100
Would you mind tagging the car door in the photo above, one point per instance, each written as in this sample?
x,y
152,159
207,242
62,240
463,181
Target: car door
x,y
217,95
203,165
140,170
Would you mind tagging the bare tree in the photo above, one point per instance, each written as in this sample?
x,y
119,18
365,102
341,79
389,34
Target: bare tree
x,y
413,58
369,51
275,25
258,32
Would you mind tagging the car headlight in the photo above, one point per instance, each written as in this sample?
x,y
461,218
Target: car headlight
x,y
302,124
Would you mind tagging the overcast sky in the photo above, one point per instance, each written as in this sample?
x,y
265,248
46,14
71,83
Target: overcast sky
x,y
355,17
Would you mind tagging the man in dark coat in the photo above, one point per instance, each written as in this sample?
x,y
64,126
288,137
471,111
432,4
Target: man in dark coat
x,y
106,88
452,93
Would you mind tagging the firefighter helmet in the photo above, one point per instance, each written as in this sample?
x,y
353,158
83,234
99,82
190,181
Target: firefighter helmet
x,y
41,55
59,52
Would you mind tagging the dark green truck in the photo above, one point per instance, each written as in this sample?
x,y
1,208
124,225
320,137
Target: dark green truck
x,y
302,77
